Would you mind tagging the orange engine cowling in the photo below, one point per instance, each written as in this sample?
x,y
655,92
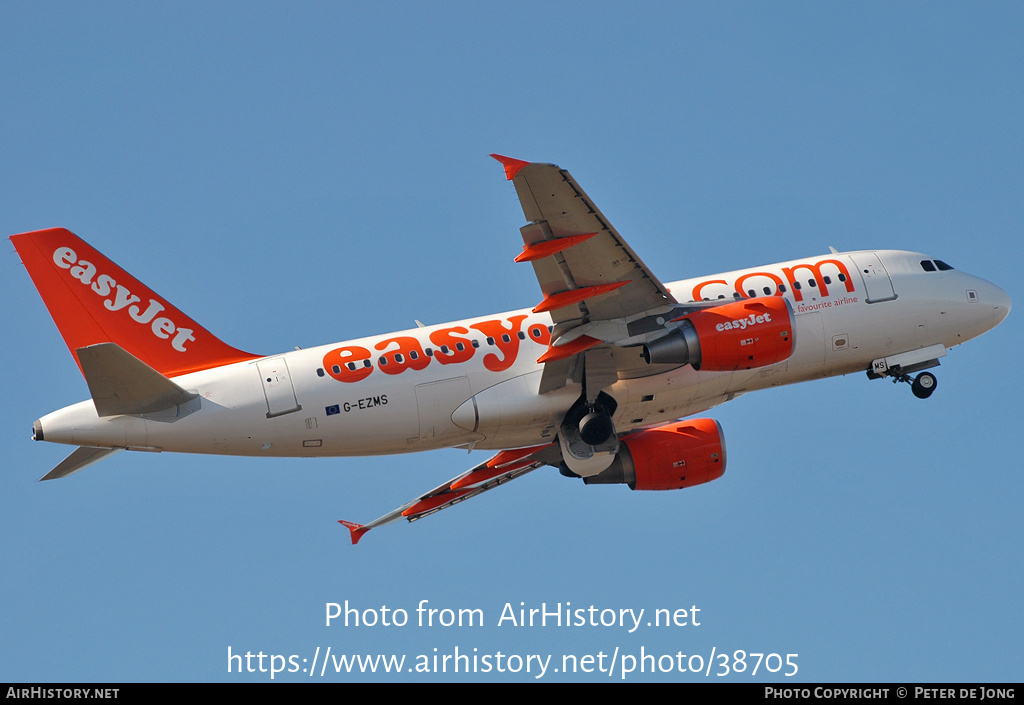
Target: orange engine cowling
x,y
669,457
740,335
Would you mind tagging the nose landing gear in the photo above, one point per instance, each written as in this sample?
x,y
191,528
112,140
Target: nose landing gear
x,y
922,386
899,368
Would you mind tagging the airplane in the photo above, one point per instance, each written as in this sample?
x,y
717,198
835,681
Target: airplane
x,y
599,379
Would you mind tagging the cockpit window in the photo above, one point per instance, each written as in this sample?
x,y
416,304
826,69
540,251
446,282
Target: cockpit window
x,y
930,266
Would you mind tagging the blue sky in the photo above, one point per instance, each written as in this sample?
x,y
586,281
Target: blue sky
x,y
297,175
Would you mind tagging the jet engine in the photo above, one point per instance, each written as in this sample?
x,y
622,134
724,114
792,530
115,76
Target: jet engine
x,y
668,457
740,335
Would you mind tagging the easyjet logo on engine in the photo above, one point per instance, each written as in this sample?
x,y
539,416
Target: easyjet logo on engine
x,y
448,346
742,323
117,297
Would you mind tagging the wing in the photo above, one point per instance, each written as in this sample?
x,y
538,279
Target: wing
x,y
604,302
596,288
503,467
573,248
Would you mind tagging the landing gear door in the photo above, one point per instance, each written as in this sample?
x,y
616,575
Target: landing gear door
x,y
277,386
876,280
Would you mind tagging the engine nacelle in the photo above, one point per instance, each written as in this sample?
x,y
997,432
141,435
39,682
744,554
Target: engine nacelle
x,y
740,335
669,457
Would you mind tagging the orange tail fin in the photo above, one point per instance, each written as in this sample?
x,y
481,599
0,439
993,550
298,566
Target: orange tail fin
x,y
92,300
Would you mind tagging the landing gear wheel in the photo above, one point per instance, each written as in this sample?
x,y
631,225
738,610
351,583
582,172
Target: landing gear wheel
x,y
596,428
924,385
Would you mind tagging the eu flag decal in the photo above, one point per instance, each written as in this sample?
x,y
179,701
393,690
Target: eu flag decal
x,y
333,409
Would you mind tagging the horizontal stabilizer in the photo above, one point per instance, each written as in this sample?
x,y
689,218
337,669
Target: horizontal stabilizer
x,y
120,383
82,457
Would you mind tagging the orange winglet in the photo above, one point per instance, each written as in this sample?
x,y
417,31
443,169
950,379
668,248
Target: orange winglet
x,y
356,529
425,505
512,166
545,248
574,296
584,342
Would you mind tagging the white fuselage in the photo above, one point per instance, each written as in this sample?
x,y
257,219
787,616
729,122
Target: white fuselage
x,y
475,382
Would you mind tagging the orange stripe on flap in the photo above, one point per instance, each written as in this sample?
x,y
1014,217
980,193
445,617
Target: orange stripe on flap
x,y
425,505
574,296
486,473
584,342
546,248
507,456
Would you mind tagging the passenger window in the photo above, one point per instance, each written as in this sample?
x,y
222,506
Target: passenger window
x,y
320,372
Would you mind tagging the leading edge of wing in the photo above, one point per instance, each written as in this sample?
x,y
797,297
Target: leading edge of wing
x,y
503,467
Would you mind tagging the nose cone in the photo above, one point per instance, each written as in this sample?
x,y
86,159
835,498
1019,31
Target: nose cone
x,y
1001,304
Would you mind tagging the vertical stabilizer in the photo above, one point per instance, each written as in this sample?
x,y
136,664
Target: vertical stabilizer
x,y
92,301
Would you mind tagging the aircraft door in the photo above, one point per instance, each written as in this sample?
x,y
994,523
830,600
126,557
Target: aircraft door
x,y
277,387
876,279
